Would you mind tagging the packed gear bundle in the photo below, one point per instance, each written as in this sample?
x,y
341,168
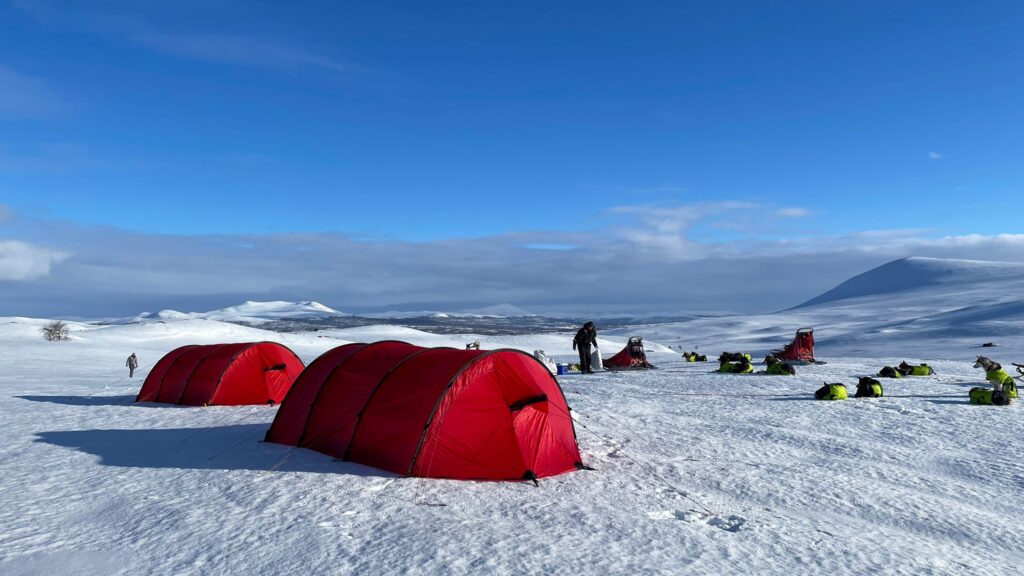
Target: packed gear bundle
x,y
831,392
801,349
694,357
543,359
868,387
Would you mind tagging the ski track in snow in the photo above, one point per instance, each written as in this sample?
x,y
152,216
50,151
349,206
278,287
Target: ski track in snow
x,y
696,472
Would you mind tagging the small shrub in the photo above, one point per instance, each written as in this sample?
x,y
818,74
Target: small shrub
x,y
56,331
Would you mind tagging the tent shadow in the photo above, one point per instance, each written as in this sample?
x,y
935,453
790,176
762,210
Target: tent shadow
x,y
237,447
124,400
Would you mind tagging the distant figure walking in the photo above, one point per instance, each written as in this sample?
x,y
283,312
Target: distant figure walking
x,y
585,338
132,363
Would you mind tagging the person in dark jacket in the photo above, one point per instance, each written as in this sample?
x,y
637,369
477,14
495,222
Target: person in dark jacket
x,y
585,338
132,363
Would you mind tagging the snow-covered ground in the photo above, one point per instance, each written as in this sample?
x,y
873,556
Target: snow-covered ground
x,y
696,472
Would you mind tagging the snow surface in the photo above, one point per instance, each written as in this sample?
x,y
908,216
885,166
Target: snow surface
x,y
696,472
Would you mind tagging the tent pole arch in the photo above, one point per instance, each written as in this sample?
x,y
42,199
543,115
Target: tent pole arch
x,y
319,392
188,381
359,415
182,350
322,358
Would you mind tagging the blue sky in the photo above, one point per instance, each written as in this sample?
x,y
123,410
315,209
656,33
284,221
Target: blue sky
x,y
702,128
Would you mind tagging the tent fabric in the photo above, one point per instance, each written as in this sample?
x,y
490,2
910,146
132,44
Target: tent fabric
x,y
801,349
222,374
433,412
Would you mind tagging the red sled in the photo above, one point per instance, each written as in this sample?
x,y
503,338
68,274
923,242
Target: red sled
x,y
800,350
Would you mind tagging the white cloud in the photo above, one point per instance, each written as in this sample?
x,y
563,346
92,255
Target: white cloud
x,y
934,155
793,212
646,259
20,261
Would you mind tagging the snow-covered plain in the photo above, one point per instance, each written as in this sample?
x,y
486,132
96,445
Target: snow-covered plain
x,y
696,472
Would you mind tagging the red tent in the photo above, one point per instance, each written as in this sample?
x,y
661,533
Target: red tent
x,y
801,349
630,357
224,374
432,412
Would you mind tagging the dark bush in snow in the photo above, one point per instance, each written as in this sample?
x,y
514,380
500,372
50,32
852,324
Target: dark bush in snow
x,y
55,331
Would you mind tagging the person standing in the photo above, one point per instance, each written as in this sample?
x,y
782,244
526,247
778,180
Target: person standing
x,y
585,338
132,363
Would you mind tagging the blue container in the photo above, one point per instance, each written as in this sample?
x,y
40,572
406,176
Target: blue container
x,y
563,369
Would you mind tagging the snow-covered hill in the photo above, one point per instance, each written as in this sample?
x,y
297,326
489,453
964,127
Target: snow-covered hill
x,y
933,278
251,312
922,307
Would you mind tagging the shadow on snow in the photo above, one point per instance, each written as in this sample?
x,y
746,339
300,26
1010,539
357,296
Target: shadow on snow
x,y
124,400
237,447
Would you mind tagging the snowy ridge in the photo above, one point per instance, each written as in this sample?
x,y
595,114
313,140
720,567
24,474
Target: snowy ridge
x,y
918,273
252,312
256,311
914,306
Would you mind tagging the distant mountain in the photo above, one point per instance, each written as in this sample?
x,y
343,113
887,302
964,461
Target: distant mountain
x,y
274,310
932,275
251,312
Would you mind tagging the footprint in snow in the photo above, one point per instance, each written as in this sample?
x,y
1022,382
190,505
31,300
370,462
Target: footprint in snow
x,y
729,523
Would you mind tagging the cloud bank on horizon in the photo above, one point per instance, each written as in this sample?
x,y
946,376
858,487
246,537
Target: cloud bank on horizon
x,y
647,157
644,260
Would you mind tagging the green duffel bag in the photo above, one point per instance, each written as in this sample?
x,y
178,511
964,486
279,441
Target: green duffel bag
x,y
988,397
831,392
868,388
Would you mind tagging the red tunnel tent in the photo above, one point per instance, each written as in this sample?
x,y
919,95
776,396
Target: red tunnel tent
x,y
222,374
432,412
